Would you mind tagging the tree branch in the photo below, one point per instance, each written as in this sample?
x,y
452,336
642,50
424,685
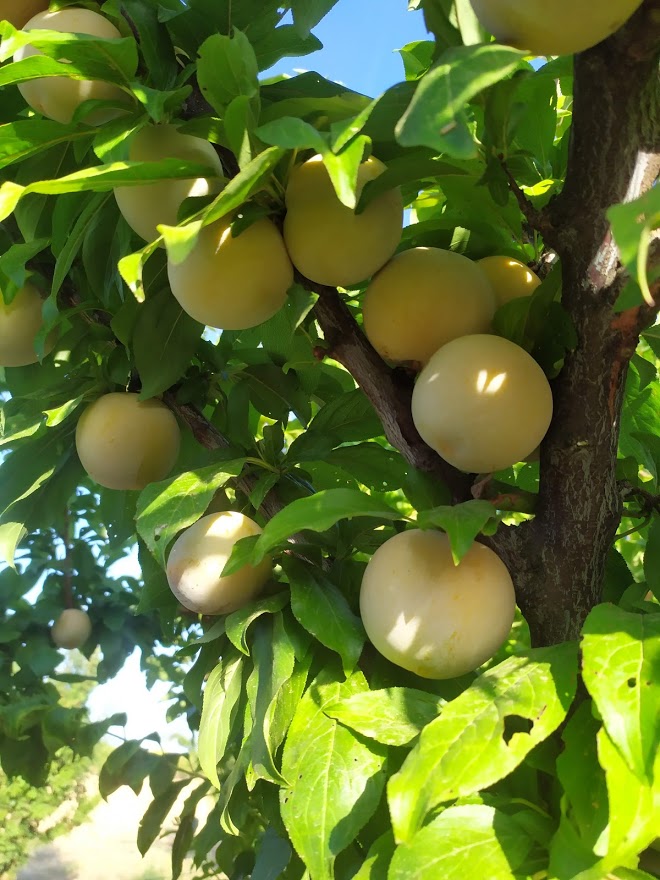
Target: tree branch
x,y
389,391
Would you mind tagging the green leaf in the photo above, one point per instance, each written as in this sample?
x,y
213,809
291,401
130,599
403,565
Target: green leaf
x,y
164,340
274,660
157,811
634,812
272,857
632,225
320,607
585,792
110,59
484,734
308,13
75,238
167,507
461,522
221,695
238,622
25,137
12,263
319,513
243,185
227,67
465,841
620,656
101,178
343,168
652,558
291,133
337,778
393,716
435,112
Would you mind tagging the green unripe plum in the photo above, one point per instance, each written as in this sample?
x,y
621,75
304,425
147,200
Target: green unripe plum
x,y
422,299
196,561
328,242
233,282
509,278
20,321
71,629
126,443
145,207
427,615
482,403
558,28
58,97
18,12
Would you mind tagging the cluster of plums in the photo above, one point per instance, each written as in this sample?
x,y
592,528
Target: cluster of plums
x,y
480,401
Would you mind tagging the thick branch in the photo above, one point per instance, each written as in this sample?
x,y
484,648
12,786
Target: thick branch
x,y
616,123
389,391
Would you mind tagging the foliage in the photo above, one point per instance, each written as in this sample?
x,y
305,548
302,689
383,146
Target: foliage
x,y
322,756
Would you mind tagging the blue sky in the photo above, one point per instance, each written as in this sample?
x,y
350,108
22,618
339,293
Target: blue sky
x,y
368,65
360,39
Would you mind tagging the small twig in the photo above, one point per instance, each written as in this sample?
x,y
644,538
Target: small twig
x,y
537,219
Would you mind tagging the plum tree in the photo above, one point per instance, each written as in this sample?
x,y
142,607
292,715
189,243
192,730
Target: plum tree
x,y
560,28
145,207
327,241
423,298
199,554
126,443
59,97
483,403
434,618
72,628
233,282
510,279
20,321
18,12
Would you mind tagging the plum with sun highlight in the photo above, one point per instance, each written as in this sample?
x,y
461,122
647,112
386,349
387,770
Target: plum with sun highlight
x,y
483,403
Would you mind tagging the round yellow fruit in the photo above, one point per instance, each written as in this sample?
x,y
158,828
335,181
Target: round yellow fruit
x,y
196,561
145,207
126,443
58,97
509,278
558,28
18,12
430,616
422,299
71,629
233,283
20,321
328,242
482,403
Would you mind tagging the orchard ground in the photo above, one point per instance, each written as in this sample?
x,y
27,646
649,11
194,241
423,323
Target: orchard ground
x,y
103,847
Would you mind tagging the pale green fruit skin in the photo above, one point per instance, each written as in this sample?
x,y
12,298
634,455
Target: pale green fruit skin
x,y
482,403
58,97
328,242
71,629
558,28
198,557
145,207
19,12
429,616
422,299
126,443
20,321
509,278
233,283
